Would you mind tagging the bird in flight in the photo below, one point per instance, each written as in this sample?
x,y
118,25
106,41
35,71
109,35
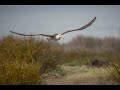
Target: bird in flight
x,y
56,37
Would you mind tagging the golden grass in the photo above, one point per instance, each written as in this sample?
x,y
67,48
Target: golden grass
x,y
80,75
25,58
23,73
114,71
81,51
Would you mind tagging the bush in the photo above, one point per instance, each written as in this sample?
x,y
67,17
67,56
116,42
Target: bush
x,y
23,73
23,60
114,72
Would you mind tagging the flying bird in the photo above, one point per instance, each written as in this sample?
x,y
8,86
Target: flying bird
x,y
56,37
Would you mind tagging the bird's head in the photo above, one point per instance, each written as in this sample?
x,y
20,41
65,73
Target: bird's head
x,y
59,36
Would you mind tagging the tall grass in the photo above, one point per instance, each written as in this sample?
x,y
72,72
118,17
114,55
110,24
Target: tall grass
x,y
87,48
23,60
114,71
106,49
15,73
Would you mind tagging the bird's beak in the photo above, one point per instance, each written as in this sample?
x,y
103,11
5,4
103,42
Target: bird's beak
x,y
62,37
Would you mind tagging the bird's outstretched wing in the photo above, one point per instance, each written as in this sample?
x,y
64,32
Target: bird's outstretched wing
x,y
31,34
81,28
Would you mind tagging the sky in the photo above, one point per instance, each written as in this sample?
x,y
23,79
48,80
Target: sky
x,y
51,19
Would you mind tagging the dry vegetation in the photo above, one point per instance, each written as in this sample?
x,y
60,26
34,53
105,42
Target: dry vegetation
x,y
78,75
28,61
25,60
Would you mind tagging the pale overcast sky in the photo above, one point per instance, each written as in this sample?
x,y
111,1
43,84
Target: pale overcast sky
x,y
50,19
